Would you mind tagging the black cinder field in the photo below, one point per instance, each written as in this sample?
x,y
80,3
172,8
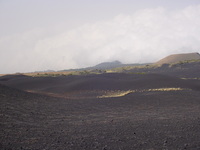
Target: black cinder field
x,y
101,111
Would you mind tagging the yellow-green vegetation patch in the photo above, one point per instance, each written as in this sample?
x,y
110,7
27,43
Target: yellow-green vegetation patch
x,y
140,73
65,73
111,71
118,93
190,78
165,89
127,68
48,74
184,62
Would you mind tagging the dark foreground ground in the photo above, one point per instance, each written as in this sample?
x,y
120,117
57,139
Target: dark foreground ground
x,y
139,120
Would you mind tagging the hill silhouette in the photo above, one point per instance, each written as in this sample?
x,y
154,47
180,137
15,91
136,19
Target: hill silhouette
x,y
179,57
108,65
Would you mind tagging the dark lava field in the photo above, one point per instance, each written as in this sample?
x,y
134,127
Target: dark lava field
x,y
157,109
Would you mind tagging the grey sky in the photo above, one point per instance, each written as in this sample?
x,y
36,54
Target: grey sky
x,y
63,34
21,15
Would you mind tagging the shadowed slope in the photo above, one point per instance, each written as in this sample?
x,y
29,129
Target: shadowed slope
x,y
97,85
188,69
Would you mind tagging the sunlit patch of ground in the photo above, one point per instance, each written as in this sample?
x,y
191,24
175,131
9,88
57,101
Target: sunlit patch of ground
x,y
116,93
166,89
103,93
119,93
190,78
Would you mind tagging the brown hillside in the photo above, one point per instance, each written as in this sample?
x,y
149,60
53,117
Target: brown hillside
x,y
178,57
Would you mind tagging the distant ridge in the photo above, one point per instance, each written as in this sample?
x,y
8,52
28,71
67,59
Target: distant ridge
x,y
108,65
103,66
178,57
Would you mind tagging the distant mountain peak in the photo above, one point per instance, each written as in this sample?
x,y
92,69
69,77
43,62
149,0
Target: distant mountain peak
x,y
108,65
112,62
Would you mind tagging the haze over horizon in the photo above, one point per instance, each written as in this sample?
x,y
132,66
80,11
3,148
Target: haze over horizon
x,y
56,35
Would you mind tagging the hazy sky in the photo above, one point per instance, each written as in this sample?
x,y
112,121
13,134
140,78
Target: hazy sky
x,y
62,34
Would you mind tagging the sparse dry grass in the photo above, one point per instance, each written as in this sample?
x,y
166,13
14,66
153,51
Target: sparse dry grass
x,y
116,93
63,73
119,93
53,74
184,62
190,78
165,89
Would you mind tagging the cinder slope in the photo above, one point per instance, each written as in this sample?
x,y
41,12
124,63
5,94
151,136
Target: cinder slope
x,y
145,120
178,57
94,85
